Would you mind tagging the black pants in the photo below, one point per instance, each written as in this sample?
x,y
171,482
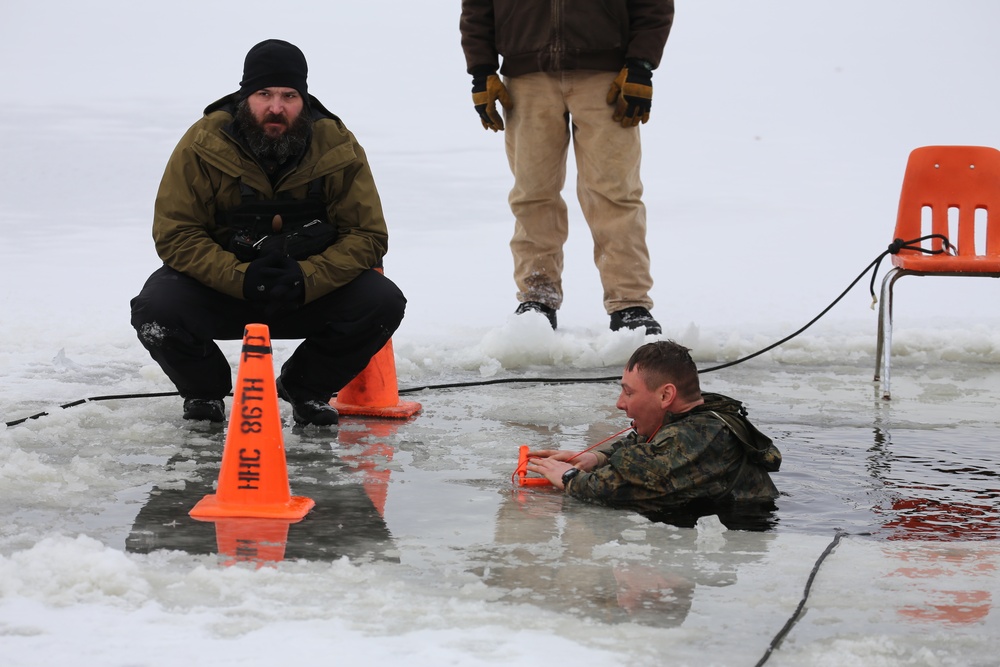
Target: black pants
x,y
178,320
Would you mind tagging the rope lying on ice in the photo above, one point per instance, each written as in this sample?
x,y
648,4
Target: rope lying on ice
x,y
894,247
778,638
93,399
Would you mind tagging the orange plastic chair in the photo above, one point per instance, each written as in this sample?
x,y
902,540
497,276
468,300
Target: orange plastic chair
x,y
943,179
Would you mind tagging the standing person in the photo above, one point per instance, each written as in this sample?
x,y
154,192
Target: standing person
x,y
268,212
564,63
687,450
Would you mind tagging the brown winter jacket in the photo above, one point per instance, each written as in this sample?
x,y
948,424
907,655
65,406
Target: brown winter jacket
x,y
557,35
202,176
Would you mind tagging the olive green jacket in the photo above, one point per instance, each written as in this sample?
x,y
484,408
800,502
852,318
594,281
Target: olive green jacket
x,y
203,176
696,456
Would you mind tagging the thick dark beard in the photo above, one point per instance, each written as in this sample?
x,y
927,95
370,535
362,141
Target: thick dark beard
x,y
273,150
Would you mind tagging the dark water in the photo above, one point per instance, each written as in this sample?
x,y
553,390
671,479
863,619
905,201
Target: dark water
x,y
431,497
453,461
346,487
903,484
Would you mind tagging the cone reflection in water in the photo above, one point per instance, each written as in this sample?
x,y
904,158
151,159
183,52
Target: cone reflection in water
x,y
252,540
253,479
373,459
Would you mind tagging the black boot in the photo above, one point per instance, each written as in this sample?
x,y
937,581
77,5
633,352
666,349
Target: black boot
x,y
634,318
536,307
308,410
205,409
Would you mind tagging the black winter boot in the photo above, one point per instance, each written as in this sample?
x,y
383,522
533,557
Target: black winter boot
x,y
205,409
309,410
635,318
536,307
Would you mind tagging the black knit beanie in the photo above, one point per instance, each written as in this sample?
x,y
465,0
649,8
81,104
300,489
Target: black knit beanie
x,y
276,63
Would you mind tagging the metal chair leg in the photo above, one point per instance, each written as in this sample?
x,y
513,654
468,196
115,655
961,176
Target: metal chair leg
x,y
880,337
883,346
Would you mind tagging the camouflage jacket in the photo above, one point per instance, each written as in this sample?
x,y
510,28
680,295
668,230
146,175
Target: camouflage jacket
x,y
696,456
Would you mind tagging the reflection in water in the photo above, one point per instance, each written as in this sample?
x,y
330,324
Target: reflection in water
x,y
743,516
604,564
920,483
941,576
590,562
934,490
929,519
252,540
349,491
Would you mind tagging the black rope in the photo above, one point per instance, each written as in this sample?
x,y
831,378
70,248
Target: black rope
x,y
914,244
894,248
875,263
778,638
806,326
517,380
92,399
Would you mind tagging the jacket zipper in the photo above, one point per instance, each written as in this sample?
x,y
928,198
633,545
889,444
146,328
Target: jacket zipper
x,y
558,50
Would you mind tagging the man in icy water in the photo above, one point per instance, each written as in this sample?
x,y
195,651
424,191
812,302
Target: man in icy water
x,y
268,213
688,454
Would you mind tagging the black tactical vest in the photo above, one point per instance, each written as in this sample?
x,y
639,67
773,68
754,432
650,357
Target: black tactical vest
x,y
297,228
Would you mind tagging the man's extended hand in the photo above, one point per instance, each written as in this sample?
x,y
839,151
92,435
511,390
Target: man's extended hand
x,y
486,90
550,468
631,94
585,461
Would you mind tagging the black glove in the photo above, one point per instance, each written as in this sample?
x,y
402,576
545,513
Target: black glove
x,y
632,94
276,281
486,90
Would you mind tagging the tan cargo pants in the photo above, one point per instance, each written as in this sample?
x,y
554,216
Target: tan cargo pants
x,y
549,109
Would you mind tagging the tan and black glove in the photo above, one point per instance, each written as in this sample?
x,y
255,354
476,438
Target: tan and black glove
x,y
486,90
631,94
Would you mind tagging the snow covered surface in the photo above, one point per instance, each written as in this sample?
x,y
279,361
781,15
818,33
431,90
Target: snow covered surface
x,y
772,166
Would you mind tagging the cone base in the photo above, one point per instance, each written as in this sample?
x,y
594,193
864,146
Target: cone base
x,y
210,507
401,410
533,481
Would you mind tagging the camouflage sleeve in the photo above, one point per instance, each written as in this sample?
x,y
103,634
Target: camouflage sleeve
x,y
604,452
691,459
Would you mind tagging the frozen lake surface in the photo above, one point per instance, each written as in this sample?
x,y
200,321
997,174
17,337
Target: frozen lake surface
x,y
418,532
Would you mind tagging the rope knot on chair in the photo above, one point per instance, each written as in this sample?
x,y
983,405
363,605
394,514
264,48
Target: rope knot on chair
x,y
914,244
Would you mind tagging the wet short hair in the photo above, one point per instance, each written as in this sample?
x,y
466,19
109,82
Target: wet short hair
x,y
667,362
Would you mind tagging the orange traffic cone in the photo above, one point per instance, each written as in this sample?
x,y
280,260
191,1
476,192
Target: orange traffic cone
x,y
253,479
375,391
